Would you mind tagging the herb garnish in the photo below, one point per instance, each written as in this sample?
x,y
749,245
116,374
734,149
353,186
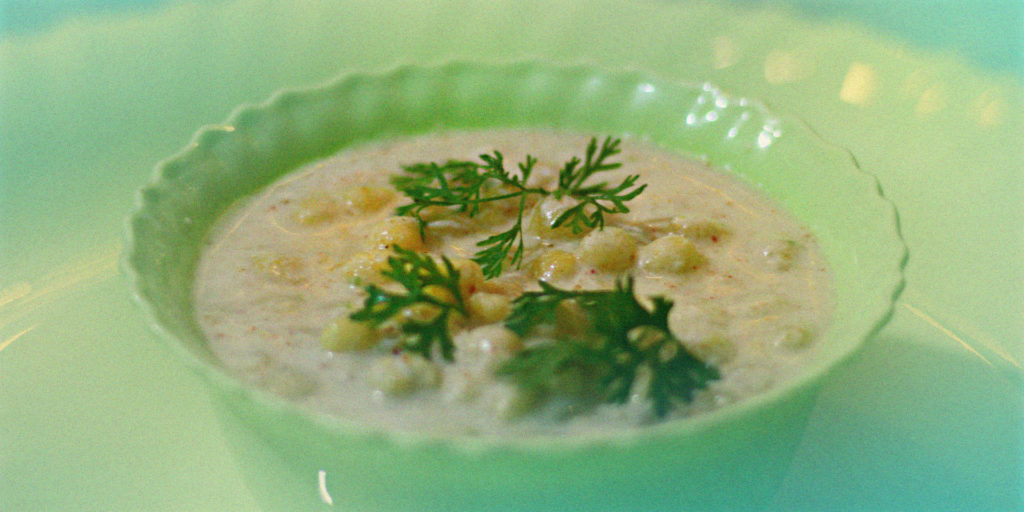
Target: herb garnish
x,y
611,346
431,287
619,338
464,186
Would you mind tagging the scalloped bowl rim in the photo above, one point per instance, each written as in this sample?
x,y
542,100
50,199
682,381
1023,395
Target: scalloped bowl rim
x,y
352,429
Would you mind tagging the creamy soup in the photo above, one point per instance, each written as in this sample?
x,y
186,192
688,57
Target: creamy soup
x,y
282,273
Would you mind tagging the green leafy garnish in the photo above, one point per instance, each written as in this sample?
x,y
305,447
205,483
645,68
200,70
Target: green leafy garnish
x,y
464,186
432,288
616,340
597,199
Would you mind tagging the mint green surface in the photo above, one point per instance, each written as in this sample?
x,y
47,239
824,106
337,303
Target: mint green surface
x,y
96,415
670,465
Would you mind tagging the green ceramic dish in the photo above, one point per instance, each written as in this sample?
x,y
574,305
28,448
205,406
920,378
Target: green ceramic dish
x,y
662,467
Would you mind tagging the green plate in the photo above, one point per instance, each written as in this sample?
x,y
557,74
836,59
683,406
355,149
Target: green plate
x,y
95,414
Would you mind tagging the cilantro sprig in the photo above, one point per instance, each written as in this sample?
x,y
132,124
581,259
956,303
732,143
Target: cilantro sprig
x,y
433,288
464,186
597,199
620,339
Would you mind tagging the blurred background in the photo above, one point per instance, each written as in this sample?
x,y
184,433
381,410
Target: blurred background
x,y
967,27
95,414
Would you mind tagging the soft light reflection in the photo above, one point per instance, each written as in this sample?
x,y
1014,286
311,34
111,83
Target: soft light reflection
x,y
932,100
735,129
724,52
325,496
860,84
644,93
784,67
14,292
6,343
988,109
934,323
706,108
769,133
21,299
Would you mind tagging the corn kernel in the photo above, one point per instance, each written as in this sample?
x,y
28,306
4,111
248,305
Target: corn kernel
x,y
486,347
486,308
700,229
400,231
471,277
671,254
554,265
344,334
403,374
793,338
421,312
545,214
316,209
365,267
368,198
715,350
611,249
439,293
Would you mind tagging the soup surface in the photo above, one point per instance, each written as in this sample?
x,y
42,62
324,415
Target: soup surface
x,y
284,270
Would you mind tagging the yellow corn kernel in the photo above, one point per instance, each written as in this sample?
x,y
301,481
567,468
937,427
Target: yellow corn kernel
x,y
793,338
421,313
611,249
545,214
485,348
497,338
700,229
403,374
554,265
368,198
400,231
316,209
715,350
344,334
365,267
439,293
671,254
486,308
511,285
424,313
471,277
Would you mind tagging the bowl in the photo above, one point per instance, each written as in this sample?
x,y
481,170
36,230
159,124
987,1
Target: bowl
x,y
734,456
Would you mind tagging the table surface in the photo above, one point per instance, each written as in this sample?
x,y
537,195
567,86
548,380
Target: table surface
x,y
95,414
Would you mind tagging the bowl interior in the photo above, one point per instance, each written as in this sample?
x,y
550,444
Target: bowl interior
x,y
819,184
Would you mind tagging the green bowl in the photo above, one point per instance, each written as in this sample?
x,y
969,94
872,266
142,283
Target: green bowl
x,y
731,457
